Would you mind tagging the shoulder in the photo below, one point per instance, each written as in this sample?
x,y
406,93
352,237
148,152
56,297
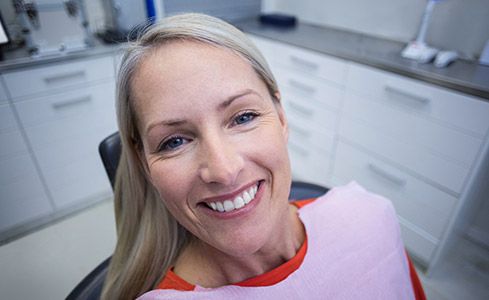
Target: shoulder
x,y
352,198
351,207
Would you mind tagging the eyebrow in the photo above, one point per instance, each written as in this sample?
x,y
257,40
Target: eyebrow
x,y
223,105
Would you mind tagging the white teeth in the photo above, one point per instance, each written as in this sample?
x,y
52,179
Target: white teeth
x,y
238,202
228,205
246,197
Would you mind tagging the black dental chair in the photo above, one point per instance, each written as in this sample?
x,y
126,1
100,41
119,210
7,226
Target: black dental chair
x,y
110,150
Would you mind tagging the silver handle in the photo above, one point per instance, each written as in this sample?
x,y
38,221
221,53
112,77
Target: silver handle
x,y
303,87
64,76
301,109
71,102
304,63
387,175
419,99
302,132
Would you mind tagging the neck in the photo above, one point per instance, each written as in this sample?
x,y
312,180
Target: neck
x,y
204,265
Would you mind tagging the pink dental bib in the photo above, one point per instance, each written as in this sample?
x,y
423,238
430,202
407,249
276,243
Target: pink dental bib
x,y
354,252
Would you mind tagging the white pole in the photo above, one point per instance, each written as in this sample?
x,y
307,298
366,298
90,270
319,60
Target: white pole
x,y
424,23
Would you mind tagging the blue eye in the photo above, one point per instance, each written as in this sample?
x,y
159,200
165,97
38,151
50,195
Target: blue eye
x,y
172,143
245,118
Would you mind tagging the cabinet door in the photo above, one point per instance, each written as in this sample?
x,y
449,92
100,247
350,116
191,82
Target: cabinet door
x,y
424,211
22,195
59,77
65,130
3,94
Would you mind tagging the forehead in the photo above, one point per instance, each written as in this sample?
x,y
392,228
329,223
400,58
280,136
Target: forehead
x,y
189,75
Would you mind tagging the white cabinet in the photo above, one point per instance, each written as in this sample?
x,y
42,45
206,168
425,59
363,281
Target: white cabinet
x,y
418,144
415,143
49,137
20,183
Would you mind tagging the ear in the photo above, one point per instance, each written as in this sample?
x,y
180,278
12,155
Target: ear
x,y
281,115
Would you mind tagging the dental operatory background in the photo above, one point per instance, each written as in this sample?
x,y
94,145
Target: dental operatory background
x,y
393,94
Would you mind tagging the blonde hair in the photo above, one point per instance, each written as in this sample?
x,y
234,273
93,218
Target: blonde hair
x,y
149,238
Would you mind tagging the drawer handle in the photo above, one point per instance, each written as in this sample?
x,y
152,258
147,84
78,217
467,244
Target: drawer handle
x,y
301,109
302,132
303,87
387,175
64,76
419,99
305,63
71,102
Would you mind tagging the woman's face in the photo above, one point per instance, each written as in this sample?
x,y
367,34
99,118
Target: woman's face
x,y
214,144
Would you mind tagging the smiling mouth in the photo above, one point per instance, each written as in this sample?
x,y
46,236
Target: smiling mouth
x,y
238,202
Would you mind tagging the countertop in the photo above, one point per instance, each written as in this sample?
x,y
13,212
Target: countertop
x,y
20,58
464,76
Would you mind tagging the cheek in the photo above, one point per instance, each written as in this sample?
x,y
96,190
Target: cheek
x,y
171,180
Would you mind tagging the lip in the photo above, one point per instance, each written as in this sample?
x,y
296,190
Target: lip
x,y
231,195
237,212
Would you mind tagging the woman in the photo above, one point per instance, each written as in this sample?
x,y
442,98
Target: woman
x,y
202,189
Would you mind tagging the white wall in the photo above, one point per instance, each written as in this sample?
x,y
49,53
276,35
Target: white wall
x,y
462,25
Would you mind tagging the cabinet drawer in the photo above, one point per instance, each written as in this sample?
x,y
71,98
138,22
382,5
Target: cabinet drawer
x,y
421,204
309,163
310,89
409,156
300,60
309,135
462,111
301,112
416,243
11,140
78,181
11,144
7,119
64,151
64,107
410,128
58,77
22,194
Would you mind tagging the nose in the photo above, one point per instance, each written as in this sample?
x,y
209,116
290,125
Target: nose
x,y
221,161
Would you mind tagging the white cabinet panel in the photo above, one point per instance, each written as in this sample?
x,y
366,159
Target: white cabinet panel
x,y
58,77
78,181
11,141
316,117
11,144
3,94
63,106
414,129
22,194
65,140
425,248
424,211
408,155
451,108
414,200
7,119
304,61
310,164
